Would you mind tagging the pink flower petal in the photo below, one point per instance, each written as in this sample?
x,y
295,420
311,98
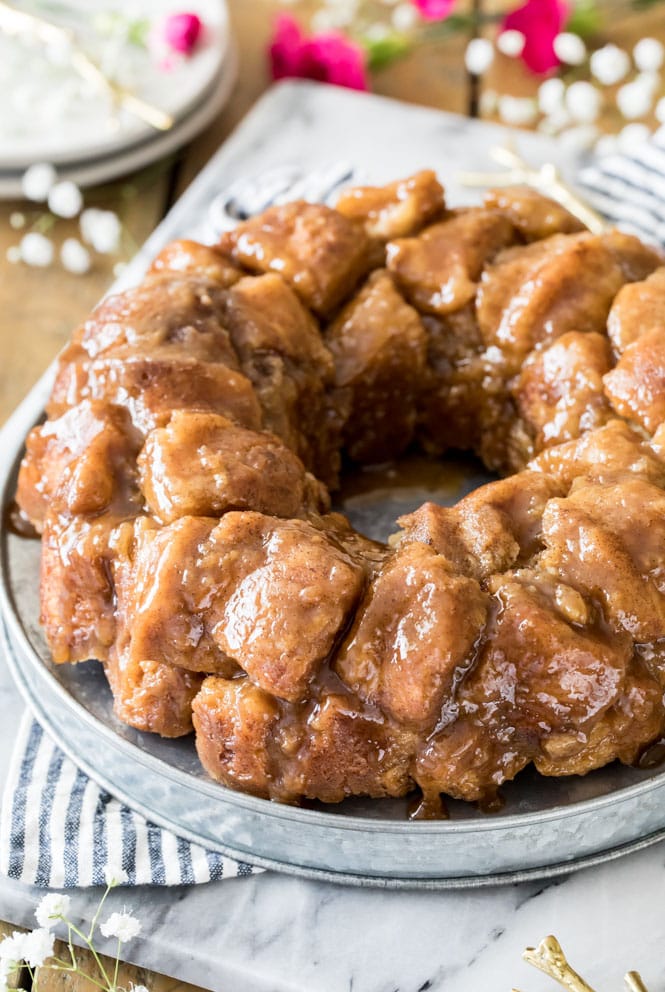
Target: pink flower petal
x,y
540,21
434,10
182,31
329,58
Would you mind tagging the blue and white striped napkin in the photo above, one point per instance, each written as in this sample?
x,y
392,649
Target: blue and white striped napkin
x,y
628,187
58,829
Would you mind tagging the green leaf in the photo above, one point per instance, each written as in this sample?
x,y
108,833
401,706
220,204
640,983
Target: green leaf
x,y
382,51
585,19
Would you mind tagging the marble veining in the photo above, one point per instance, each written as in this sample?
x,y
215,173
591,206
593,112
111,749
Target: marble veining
x,y
274,933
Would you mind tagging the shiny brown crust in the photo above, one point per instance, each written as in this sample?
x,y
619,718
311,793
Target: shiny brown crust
x,y
198,421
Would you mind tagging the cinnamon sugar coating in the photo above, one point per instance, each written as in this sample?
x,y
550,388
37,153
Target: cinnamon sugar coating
x,y
181,486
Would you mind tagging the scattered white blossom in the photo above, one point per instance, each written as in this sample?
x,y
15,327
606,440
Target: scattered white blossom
x,y
649,54
404,17
119,268
12,948
37,181
556,121
75,257
5,972
479,56
38,946
650,81
377,31
569,48
489,99
634,100
607,144
17,220
36,249
115,875
101,229
632,135
583,102
65,199
577,139
50,908
511,43
659,110
139,988
550,95
609,64
123,925
517,110
13,254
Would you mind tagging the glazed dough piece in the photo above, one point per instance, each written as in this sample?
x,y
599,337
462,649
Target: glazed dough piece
x,y
83,462
202,464
414,636
638,308
603,455
397,210
494,528
606,541
538,675
439,269
559,392
330,750
76,588
151,696
636,386
535,216
151,389
378,346
203,261
169,315
281,352
320,253
269,596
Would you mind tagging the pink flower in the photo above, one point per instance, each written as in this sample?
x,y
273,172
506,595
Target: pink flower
x,y
182,31
540,21
329,57
434,10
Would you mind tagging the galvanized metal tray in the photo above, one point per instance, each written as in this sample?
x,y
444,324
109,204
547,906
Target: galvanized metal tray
x,y
547,826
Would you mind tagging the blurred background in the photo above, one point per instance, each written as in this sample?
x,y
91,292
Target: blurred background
x,y
108,110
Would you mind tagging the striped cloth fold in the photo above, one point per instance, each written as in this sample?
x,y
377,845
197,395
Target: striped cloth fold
x,y
629,188
58,829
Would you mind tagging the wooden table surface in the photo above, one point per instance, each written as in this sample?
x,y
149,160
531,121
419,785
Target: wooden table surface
x,y
40,307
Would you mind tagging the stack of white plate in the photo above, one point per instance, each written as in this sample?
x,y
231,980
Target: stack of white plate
x,y
72,126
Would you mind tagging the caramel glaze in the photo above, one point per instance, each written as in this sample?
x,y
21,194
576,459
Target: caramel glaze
x,y
197,426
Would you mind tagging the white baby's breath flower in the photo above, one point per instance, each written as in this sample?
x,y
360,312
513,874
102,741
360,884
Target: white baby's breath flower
x,y
123,925
479,56
489,100
607,144
5,972
65,199
609,64
37,181
38,946
659,110
634,100
51,908
115,875
13,254
36,249
511,43
12,948
569,48
404,17
75,257
574,140
632,135
649,54
550,95
16,220
583,102
517,110
138,988
101,229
